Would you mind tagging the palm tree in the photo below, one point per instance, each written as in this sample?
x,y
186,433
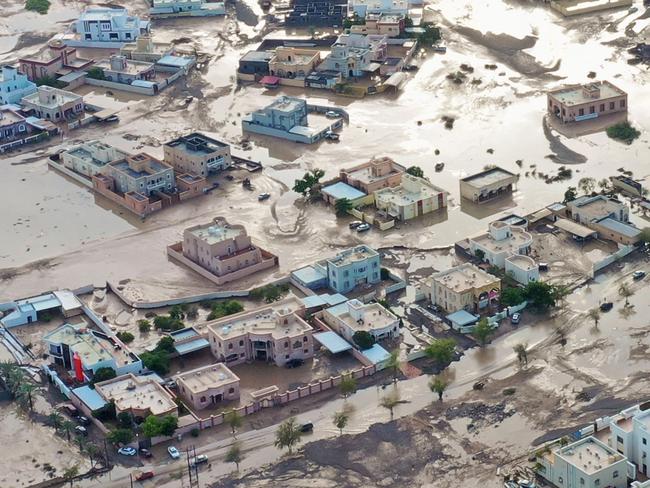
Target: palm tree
x,y
93,452
522,353
438,385
69,474
55,419
393,363
24,393
288,434
594,314
340,420
234,420
389,402
234,455
67,427
343,206
625,292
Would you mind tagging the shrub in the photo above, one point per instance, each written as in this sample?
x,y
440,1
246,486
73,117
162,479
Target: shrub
x,y
195,432
157,361
125,337
120,436
144,326
222,309
363,339
49,81
103,374
95,73
167,323
39,6
623,132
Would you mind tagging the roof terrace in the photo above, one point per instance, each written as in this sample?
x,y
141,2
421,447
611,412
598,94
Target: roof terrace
x,y
589,455
208,377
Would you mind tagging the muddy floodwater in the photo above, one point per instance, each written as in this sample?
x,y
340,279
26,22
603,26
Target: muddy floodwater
x,y
67,236
55,233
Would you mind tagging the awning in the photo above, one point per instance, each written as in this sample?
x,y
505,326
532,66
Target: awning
x,y
333,342
376,354
574,228
462,318
89,397
540,214
372,67
191,346
270,80
104,114
396,79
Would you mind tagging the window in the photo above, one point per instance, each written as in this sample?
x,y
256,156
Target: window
x,y
581,111
230,346
560,479
286,344
241,343
304,339
622,103
286,356
306,351
645,441
602,107
619,439
597,483
611,105
231,390
592,110
582,481
202,399
615,474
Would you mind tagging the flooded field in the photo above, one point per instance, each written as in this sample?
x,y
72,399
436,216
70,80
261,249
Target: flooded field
x,y
537,51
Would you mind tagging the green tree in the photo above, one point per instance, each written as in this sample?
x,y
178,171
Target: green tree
x,y
587,184
39,6
623,132
55,419
67,426
604,184
363,339
95,73
156,361
120,436
343,206
192,312
482,331
626,292
288,434
125,419
168,425
25,394
94,453
69,474
415,171
594,314
177,312
151,427
165,344
441,351
571,194
511,296
103,374
393,363
234,455
348,385
167,323
223,309
480,254
389,402
340,420
144,326
540,294
309,183
234,420
438,385
521,350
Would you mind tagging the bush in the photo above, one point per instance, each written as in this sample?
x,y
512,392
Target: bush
x,y
192,312
144,326
511,297
103,374
157,361
623,132
125,337
363,339
95,73
39,6
509,391
195,432
120,436
49,81
222,309
270,293
125,420
167,323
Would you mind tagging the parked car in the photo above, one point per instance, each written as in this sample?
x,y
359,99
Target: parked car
x,y
127,451
263,196
638,275
363,227
332,136
433,307
112,118
515,318
81,420
143,475
355,223
606,306
307,427
294,363
145,453
200,459
81,430
173,452
331,114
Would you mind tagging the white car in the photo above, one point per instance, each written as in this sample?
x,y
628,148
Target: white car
x,y
127,451
331,114
173,452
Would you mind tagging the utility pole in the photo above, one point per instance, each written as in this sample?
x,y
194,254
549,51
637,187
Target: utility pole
x,y
131,479
192,467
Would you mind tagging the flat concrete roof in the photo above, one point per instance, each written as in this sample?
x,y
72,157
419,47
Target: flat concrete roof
x,y
488,177
372,315
589,455
574,228
213,233
130,392
208,377
518,238
576,94
464,277
352,255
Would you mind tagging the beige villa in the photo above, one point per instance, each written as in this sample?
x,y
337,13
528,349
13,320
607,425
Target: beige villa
x,y
374,175
274,333
576,103
208,386
464,287
221,252
291,62
137,395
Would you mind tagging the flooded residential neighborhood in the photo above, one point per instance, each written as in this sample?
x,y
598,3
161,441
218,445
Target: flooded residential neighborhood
x,y
335,243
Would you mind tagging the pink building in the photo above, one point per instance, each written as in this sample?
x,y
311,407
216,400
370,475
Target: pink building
x,y
56,59
221,252
208,386
275,333
374,175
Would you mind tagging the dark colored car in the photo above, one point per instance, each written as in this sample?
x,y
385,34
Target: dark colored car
x,y
294,363
143,475
145,453
606,306
306,427
81,420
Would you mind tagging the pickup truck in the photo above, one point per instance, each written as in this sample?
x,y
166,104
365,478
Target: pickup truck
x,y
143,475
